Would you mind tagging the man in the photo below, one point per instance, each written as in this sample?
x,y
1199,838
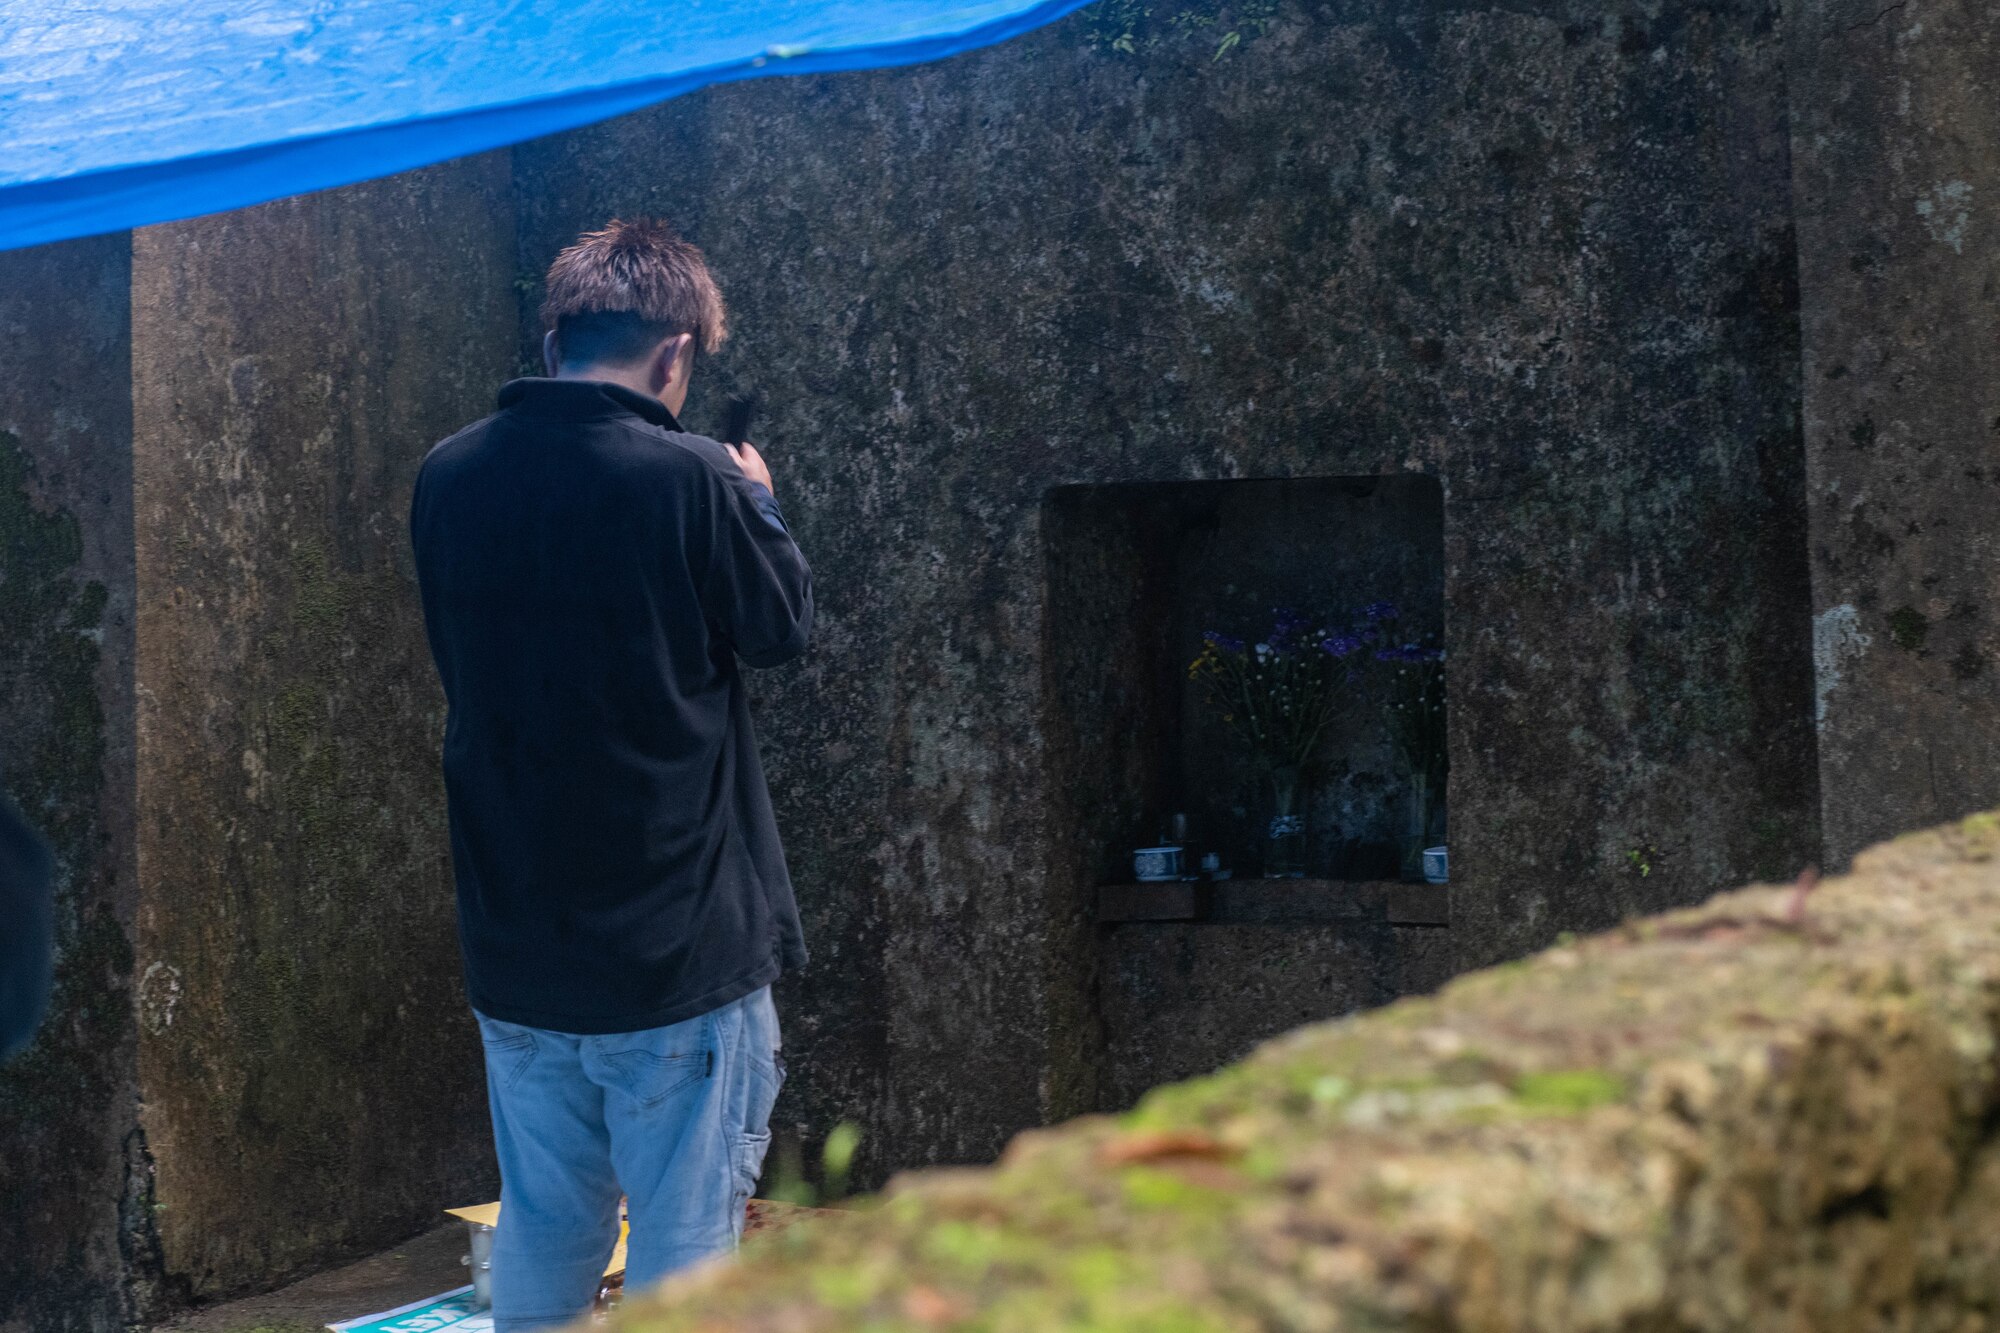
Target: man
x,y
591,575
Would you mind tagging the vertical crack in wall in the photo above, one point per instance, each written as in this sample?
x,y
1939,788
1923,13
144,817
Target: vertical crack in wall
x,y
149,1293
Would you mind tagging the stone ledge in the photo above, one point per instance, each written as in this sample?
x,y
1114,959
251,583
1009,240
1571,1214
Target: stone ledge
x,y
1279,902
1775,1111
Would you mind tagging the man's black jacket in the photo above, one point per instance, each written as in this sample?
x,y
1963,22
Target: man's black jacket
x,y
591,574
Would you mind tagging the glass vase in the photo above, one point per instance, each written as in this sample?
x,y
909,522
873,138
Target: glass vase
x,y
1418,815
1285,834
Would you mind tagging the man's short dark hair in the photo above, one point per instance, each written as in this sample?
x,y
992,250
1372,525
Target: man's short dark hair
x,y
618,293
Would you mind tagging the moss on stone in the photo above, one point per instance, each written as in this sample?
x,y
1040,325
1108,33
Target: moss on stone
x,y
1909,628
53,720
1769,1111
1568,1090
50,658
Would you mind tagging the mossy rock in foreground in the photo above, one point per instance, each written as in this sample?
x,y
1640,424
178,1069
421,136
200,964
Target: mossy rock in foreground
x,y
1775,1111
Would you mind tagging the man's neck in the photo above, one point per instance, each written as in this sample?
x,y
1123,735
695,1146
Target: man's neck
x,y
638,381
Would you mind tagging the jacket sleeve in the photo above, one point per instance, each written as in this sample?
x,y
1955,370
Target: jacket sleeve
x,y
757,592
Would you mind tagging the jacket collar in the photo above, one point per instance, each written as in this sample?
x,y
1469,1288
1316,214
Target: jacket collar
x,y
583,400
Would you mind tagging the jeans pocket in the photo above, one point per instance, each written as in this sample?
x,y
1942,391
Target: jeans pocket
x,y
508,1056
650,1077
750,1152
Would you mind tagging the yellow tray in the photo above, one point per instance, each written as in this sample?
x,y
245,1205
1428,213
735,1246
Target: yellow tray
x,y
488,1215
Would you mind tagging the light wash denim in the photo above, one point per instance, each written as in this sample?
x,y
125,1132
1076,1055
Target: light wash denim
x,y
676,1118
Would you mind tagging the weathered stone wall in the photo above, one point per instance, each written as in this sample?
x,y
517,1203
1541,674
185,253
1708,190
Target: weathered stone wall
x,y
1181,998
1542,251
72,1160
1897,176
1774,1112
311,1072
1539,249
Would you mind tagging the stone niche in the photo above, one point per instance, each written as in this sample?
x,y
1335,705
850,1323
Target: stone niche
x,y
1135,573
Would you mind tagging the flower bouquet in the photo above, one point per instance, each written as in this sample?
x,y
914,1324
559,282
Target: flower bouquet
x,y
1279,695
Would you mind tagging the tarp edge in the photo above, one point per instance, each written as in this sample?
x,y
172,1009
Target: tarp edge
x,y
43,212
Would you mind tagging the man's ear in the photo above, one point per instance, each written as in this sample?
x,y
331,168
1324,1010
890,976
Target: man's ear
x,y
672,352
550,361
684,350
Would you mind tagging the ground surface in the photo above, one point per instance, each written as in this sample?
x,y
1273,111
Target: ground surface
x,y
425,1266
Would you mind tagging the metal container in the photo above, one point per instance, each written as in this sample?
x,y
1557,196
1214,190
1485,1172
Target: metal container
x,y
480,1261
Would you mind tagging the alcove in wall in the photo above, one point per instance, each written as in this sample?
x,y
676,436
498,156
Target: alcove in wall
x,y
1135,575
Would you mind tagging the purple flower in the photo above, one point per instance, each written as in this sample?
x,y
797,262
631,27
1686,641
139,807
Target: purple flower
x,y
1341,645
1222,641
1376,611
1286,623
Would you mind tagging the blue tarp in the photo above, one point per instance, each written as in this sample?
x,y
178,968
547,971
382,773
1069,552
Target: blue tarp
x,y
115,113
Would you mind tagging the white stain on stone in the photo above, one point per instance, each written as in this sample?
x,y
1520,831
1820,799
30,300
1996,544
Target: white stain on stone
x,y
1837,640
257,777
159,993
1947,211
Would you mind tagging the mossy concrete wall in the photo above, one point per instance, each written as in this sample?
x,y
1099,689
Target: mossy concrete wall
x,y
72,1157
1181,998
310,1068
1897,176
216,701
1542,251
1773,1112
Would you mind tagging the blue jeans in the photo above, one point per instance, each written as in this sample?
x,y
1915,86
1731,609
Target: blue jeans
x,y
677,1119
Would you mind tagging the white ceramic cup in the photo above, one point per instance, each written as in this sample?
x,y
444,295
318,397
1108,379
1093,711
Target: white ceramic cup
x,y
1150,864
1434,865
